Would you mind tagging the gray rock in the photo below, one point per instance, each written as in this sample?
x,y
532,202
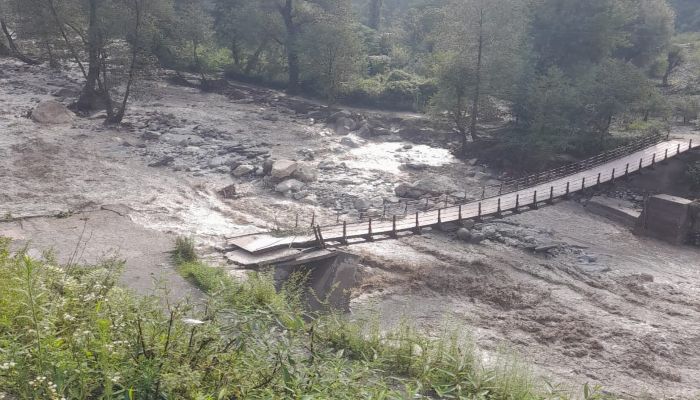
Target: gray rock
x,y
345,125
326,165
347,141
167,160
477,237
150,135
365,131
290,185
243,170
546,247
464,234
283,169
52,112
217,162
468,223
489,232
267,166
362,204
305,173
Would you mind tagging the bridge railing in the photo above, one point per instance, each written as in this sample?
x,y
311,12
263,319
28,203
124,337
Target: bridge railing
x,y
530,196
514,185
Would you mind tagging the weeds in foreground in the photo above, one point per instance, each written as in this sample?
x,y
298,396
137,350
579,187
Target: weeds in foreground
x,y
71,333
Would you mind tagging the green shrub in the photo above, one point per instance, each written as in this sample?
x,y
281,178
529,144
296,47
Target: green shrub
x,y
71,333
184,250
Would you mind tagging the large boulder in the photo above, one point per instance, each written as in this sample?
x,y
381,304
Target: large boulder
x,y
283,169
348,141
433,186
242,170
290,185
305,173
52,112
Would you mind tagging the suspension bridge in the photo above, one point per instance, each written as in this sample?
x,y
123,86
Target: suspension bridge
x,y
513,196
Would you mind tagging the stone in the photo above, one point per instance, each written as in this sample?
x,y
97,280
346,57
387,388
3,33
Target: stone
x,y
283,169
464,234
477,237
243,169
326,165
167,160
345,125
290,185
217,162
468,223
365,130
489,231
150,135
305,174
338,115
66,92
52,112
362,204
267,166
348,141
546,248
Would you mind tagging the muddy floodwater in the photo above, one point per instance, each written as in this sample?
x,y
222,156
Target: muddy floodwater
x,y
606,307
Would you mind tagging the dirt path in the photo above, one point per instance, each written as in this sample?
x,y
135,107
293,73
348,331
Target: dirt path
x,y
93,237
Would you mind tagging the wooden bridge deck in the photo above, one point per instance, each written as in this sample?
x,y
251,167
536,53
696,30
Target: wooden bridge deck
x,y
527,198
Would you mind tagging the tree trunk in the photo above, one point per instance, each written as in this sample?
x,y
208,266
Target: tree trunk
x,y
287,12
89,96
4,50
61,29
252,61
375,14
119,116
477,88
14,50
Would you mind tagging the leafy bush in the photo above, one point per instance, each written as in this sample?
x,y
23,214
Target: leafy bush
x,y
71,333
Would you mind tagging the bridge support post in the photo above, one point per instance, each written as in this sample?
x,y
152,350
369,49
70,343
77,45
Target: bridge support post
x,y
653,161
417,229
478,216
369,231
627,170
439,216
517,204
322,243
612,177
598,180
678,149
344,240
393,227
534,200
640,164
665,154
460,213
498,209
583,183
566,194
551,195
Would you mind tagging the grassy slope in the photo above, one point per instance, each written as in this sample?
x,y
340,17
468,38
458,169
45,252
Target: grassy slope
x,y
71,333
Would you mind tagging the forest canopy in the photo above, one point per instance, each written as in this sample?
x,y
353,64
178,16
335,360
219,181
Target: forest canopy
x,y
564,71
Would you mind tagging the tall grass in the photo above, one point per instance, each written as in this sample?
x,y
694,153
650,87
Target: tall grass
x,y
73,334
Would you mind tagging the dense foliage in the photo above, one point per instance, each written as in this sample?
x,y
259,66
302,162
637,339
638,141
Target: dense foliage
x,y
71,333
566,71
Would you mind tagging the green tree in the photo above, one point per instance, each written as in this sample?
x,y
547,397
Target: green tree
x,y
331,50
480,50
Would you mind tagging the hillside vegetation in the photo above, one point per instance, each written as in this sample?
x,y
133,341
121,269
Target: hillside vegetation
x,y
563,72
70,333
